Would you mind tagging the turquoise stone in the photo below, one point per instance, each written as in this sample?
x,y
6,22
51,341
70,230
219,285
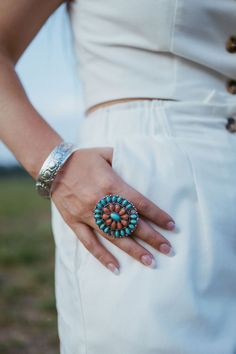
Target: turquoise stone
x,y
119,199
114,198
106,229
125,201
103,201
115,216
131,226
129,206
102,226
133,216
99,205
133,221
97,211
97,216
122,232
127,231
108,199
117,233
98,222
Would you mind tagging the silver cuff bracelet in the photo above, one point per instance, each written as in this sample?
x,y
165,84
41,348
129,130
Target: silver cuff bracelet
x,y
51,166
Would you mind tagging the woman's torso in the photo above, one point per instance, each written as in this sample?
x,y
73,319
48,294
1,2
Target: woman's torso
x,y
176,49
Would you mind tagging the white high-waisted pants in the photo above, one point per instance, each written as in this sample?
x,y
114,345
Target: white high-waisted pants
x,y
180,156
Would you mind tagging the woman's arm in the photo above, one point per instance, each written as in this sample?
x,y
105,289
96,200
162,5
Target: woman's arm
x,y
31,139
22,129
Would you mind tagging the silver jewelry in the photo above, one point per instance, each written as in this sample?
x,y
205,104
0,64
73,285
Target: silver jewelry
x,y
51,166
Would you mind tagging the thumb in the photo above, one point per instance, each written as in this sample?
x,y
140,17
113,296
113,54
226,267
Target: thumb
x,y
107,153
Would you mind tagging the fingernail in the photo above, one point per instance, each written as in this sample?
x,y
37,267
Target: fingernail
x,y
166,249
113,268
171,225
148,261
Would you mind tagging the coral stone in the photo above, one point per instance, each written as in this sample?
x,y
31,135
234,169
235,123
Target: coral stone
x,y
113,225
122,211
106,210
105,216
111,207
117,208
125,216
119,225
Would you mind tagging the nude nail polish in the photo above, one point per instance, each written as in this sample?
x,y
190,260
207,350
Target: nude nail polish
x,y
113,268
166,249
148,261
171,225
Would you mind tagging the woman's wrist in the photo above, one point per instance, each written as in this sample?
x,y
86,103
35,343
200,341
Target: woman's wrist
x,y
34,163
51,166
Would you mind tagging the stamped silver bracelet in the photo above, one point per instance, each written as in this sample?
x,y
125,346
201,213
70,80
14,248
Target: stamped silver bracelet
x,y
51,166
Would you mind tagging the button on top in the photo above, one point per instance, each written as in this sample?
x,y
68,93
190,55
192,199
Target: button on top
x,y
231,125
231,87
231,44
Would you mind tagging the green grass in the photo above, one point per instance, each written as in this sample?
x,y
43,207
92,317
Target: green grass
x,y
27,302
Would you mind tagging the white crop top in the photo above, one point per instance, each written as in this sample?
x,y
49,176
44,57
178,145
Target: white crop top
x,y
178,49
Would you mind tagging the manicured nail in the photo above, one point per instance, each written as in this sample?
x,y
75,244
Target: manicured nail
x,y
148,261
171,225
166,249
113,268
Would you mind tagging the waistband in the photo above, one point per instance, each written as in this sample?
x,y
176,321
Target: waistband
x,y
163,118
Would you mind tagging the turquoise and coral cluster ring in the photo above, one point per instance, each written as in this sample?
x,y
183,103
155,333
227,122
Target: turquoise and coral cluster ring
x,y
116,216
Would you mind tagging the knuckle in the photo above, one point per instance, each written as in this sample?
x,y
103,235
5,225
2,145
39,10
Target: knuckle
x,y
133,251
136,253
155,238
101,257
108,183
128,249
152,238
89,244
69,219
141,204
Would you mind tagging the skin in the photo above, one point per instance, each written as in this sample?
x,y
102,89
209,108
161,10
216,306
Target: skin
x,y
31,139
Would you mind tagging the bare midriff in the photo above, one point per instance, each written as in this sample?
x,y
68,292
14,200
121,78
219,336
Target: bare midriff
x,y
111,102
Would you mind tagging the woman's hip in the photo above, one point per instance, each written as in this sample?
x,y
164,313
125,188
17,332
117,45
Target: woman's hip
x,y
182,158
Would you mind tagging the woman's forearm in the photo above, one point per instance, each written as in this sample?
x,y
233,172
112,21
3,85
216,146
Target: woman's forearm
x,y
22,128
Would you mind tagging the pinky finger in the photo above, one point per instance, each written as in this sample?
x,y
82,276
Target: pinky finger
x,y
90,240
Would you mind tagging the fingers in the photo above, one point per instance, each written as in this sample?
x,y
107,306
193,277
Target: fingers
x,y
128,245
133,248
146,233
146,207
94,246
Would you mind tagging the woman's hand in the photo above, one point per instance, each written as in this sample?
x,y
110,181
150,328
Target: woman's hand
x,y
85,178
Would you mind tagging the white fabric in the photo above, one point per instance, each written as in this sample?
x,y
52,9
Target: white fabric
x,y
156,48
180,156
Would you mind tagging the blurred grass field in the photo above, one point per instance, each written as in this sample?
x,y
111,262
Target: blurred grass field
x,y
27,302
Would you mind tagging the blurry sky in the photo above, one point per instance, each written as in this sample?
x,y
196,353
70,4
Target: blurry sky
x,y
50,77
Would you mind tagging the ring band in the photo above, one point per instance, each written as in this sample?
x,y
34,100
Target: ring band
x,y
116,216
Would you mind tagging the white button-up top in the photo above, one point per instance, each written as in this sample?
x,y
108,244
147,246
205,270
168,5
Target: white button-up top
x,y
177,49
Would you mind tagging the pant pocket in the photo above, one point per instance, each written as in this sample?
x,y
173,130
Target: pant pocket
x,y
156,167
